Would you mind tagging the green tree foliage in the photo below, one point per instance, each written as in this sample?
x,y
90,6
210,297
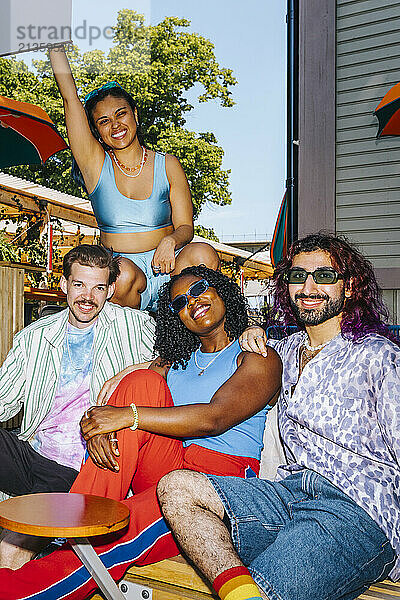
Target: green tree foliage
x,y
158,65
7,250
28,243
206,232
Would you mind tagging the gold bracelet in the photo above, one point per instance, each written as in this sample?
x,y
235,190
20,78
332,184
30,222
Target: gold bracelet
x,y
136,417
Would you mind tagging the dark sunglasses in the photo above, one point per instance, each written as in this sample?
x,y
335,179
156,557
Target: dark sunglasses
x,y
195,290
321,276
106,86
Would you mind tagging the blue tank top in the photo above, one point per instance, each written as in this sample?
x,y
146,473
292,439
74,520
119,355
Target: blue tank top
x,y
116,213
244,439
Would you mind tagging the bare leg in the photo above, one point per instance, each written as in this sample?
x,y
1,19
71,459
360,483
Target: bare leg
x,y
194,512
132,281
129,285
197,253
16,549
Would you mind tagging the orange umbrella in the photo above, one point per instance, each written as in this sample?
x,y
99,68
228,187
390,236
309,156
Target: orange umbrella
x,y
27,134
388,113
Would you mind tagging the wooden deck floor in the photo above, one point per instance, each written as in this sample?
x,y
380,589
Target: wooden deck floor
x,y
174,579
387,590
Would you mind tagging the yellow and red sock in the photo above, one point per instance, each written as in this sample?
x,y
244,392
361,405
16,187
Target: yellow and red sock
x,y
236,584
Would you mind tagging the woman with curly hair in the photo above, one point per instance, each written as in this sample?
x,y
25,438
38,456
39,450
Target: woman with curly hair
x,y
141,198
203,390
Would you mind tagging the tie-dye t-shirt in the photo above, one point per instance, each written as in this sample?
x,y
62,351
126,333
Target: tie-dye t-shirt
x,y
58,437
341,418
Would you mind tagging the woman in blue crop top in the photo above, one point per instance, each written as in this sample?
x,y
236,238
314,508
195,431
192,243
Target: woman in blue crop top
x,y
218,404
141,199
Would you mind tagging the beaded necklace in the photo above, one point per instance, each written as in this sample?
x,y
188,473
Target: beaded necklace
x,y
125,170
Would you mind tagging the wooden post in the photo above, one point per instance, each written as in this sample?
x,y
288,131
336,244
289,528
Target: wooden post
x,y
11,316
11,306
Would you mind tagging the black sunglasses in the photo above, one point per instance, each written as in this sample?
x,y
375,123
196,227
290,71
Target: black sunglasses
x,y
321,276
194,291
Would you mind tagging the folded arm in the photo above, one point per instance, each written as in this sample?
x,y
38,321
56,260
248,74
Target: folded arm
x,y
182,217
234,402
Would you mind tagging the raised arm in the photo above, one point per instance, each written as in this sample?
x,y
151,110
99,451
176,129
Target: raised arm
x,y
87,151
182,216
234,402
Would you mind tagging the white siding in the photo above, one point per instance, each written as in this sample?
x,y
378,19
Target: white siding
x,y
392,301
367,169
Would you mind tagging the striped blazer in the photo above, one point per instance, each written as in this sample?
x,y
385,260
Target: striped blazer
x,y
30,372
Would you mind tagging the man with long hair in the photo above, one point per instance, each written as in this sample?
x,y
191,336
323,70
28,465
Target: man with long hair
x,y
328,526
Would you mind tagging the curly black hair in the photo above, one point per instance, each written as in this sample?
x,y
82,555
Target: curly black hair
x,y
174,342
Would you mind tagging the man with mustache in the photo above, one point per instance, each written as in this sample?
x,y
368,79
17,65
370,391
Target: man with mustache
x,y
328,526
55,371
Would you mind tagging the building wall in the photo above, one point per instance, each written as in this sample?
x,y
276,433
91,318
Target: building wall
x,y
367,169
349,182
316,150
392,301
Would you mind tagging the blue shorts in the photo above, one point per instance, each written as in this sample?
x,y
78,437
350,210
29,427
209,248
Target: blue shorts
x,y
302,538
149,297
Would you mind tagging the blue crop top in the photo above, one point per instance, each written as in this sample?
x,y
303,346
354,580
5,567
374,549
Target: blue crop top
x,y
244,439
116,213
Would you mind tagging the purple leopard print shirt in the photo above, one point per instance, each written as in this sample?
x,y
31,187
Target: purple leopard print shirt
x,y
342,420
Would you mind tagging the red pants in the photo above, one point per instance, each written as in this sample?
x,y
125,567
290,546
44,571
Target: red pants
x,y
144,458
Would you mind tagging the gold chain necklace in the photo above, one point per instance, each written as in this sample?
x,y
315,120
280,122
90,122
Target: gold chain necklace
x,y
202,369
128,170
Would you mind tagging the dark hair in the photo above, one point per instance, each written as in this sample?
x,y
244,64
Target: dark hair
x,y
174,342
89,106
92,256
364,312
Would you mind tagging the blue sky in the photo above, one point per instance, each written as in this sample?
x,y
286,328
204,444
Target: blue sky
x,y
250,38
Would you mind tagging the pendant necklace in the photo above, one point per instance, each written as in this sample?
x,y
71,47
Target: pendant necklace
x,y
202,369
125,170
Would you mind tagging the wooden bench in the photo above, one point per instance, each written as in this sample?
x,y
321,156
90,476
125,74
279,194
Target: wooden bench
x,y
174,578
171,579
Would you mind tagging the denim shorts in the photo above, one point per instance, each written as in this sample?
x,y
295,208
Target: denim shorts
x,y
302,538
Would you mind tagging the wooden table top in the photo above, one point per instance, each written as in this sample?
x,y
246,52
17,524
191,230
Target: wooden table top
x,y
63,515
